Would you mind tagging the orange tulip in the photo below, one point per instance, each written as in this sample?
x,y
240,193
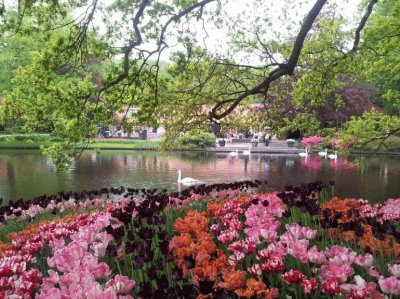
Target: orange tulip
x,y
256,288
233,280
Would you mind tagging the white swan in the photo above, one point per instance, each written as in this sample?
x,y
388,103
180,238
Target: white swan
x,y
333,156
186,181
234,154
304,154
247,153
324,153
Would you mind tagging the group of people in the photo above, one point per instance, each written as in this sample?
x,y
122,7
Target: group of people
x,y
262,136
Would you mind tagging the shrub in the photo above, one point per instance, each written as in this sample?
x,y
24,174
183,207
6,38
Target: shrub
x,y
31,137
195,139
312,141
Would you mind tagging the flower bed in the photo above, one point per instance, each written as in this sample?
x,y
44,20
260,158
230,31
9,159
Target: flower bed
x,y
219,241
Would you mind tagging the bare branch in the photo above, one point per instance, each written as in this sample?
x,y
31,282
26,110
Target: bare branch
x,y
178,16
266,50
247,66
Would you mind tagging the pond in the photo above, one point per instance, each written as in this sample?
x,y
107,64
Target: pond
x,y
27,173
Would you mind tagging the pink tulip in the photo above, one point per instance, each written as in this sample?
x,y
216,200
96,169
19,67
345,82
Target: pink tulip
x,y
331,287
255,270
121,284
309,285
293,276
394,270
53,293
365,261
102,271
49,282
315,256
390,285
335,270
227,236
308,233
299,250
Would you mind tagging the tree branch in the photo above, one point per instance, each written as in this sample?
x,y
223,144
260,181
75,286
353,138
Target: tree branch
x,y
178,16
362,23
381,138
283,69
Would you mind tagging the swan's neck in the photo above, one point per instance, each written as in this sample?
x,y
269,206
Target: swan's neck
x,y
179,176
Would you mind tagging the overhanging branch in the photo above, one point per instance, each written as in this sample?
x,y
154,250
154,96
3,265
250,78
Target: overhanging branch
x,y
362,23
281,70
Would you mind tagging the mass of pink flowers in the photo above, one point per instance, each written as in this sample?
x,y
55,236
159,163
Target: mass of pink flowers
x,y
312,141
71,204
75,264
334,143
244,227
256,241
76,268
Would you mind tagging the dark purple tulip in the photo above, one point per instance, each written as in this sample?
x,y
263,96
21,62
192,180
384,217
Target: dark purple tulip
x,y
206,286
148,256
177,275
129,247
152,273
188,292
169,258
112,250
189,262
162,235
146,233
160,264
159,293
162,282
138,262
220,293
359,231
164,246
146,290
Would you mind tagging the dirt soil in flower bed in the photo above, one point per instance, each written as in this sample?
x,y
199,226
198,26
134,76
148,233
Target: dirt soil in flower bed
x,y
218,241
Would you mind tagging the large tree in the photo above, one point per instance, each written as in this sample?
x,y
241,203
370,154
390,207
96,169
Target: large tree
x,y
58,89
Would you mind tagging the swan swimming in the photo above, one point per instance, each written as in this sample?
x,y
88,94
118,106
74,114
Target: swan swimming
x,y
324,153
247,153
304,154
186,180
234,154
333,156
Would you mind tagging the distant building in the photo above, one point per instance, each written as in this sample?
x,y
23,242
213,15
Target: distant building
x,y
139,132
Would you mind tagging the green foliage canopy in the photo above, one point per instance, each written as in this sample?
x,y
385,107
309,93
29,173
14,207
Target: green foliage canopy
x,y
83,75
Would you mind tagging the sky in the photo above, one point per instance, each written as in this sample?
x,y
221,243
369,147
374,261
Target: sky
x,y
273,13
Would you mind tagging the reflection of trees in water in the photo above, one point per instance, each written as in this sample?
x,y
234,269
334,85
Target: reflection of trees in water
x,y
195,158
27,172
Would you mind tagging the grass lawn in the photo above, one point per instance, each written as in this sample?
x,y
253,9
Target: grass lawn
x,y
23,144
35,141
126,144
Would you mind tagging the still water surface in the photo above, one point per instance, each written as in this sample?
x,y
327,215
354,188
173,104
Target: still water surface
x,y
27,173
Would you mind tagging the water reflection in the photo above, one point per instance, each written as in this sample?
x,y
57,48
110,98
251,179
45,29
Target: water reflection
x,y
27,173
